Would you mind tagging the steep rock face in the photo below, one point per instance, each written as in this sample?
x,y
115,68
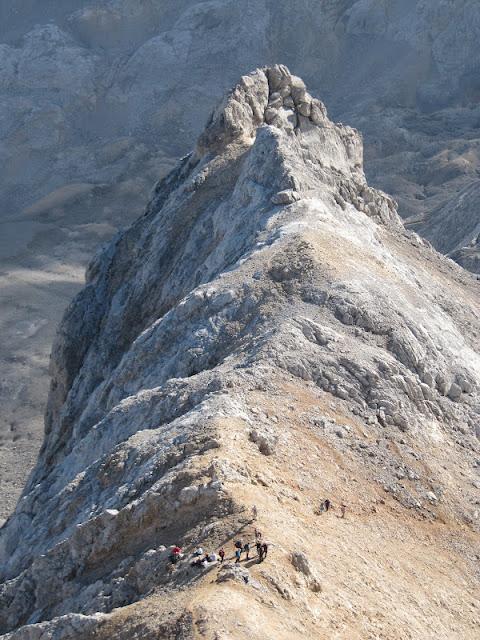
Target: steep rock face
x,y
100,98
456,224
267,298
469,257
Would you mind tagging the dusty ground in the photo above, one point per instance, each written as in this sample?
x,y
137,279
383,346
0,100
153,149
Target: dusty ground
x,y
386,572
31,302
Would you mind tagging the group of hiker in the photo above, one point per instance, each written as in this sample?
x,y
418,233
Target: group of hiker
x,y
240,547
200,558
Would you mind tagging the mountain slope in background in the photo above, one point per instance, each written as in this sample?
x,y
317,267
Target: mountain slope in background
x,y
265,336
99,99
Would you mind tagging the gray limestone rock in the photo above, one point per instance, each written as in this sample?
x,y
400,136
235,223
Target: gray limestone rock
x,y
233,572
302,565
213,292
265,441
288,196
68,627
455,392
99,99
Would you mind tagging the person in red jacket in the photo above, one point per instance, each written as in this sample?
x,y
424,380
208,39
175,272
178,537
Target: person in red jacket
x,y
175,555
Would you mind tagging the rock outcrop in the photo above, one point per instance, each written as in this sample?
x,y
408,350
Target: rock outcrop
x,y
266,332
99,99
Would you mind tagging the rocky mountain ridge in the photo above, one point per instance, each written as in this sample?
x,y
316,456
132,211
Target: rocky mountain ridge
x,y
265,334
99,99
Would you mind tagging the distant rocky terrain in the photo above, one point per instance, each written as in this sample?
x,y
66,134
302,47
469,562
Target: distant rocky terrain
x,y
265,336
98,100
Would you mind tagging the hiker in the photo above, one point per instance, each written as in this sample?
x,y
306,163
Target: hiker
x,y
259,551
197,563
254,512
258,534
198,552
265,550
324,506
246,548
175,555
238,544
221,553
343,508
238,555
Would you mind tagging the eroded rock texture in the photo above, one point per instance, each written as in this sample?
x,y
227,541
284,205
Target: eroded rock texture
x,y
265,333
99,99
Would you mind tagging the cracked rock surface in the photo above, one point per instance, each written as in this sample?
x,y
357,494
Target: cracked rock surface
x,y
99,99
236,355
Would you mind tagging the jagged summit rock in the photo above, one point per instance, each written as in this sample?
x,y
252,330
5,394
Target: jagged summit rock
x,y
266,290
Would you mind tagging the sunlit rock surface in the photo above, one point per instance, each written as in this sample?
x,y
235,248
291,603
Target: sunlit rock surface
x,y
266,335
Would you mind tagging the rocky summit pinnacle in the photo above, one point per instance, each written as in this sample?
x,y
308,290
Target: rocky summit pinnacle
x,y
265,336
